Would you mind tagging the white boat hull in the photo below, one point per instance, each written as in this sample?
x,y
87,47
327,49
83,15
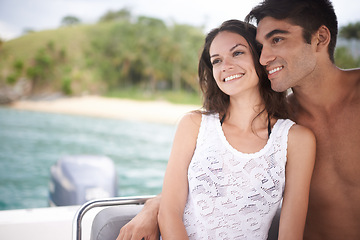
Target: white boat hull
x,y
53,223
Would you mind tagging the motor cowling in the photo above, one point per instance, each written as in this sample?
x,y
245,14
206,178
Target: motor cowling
x,y
75,180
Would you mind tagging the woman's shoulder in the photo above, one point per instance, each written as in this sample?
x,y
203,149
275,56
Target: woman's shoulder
x,y
190,120
192,117
301,139
298,132
188,129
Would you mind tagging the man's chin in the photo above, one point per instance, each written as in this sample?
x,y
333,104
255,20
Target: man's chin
x,y
278,87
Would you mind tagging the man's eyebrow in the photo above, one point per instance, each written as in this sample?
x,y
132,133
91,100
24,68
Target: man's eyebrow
x,y
276,31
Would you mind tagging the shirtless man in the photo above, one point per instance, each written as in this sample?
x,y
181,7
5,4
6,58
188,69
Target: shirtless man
x,y
298,40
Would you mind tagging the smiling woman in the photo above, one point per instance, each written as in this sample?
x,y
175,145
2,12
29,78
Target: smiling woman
x,y
232,63
229,161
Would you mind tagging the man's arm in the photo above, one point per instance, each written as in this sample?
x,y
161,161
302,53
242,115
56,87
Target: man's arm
x,y
143,225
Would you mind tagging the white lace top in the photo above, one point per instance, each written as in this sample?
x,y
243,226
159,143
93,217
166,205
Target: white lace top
x,y
234,195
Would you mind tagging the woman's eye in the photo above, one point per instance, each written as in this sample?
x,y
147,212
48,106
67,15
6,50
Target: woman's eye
x,y
237,53
215,61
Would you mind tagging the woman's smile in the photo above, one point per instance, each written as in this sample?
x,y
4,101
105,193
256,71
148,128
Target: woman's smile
x,y
233,77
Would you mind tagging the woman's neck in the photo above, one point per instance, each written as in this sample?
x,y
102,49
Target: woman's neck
x,y
247,115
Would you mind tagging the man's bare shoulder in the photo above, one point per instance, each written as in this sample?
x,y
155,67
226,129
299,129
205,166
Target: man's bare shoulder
x,y
354,71
352,76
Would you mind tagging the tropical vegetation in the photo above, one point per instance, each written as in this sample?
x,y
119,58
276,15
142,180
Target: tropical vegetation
x,y
121,56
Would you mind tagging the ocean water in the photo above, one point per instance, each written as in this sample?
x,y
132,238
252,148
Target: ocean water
x,y
31,142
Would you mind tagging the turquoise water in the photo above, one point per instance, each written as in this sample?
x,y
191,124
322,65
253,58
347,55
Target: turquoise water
x,y
31,142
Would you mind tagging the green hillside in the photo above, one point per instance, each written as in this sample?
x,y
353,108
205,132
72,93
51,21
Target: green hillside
x,y
120,56
112,58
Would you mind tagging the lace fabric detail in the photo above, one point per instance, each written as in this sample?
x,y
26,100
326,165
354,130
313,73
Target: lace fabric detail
x,y
233,195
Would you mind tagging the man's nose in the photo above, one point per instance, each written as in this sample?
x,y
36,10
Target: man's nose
x,y
266,56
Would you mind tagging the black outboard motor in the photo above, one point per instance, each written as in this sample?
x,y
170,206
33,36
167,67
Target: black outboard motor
x,y
75,180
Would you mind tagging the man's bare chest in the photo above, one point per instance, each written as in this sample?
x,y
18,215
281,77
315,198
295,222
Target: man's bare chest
x,y
338,145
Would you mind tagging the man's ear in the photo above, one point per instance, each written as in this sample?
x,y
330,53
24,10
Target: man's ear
x,y
323,38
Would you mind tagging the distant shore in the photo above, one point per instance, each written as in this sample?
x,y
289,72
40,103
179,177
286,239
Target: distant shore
x,y
148,111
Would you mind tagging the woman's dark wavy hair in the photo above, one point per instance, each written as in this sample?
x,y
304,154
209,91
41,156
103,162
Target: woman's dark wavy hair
x,y
215,100
308,14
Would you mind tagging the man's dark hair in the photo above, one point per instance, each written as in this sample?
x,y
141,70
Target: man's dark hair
x,y
308,14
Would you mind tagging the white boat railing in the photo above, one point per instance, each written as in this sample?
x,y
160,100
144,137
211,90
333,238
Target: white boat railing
x,y
106,202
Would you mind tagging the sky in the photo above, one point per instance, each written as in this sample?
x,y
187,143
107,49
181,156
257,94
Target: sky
x,y
38,15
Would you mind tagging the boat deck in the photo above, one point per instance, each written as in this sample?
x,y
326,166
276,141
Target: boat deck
x,y
43,223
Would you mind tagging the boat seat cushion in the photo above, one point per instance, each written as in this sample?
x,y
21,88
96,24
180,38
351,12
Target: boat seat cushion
x,y
108,222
